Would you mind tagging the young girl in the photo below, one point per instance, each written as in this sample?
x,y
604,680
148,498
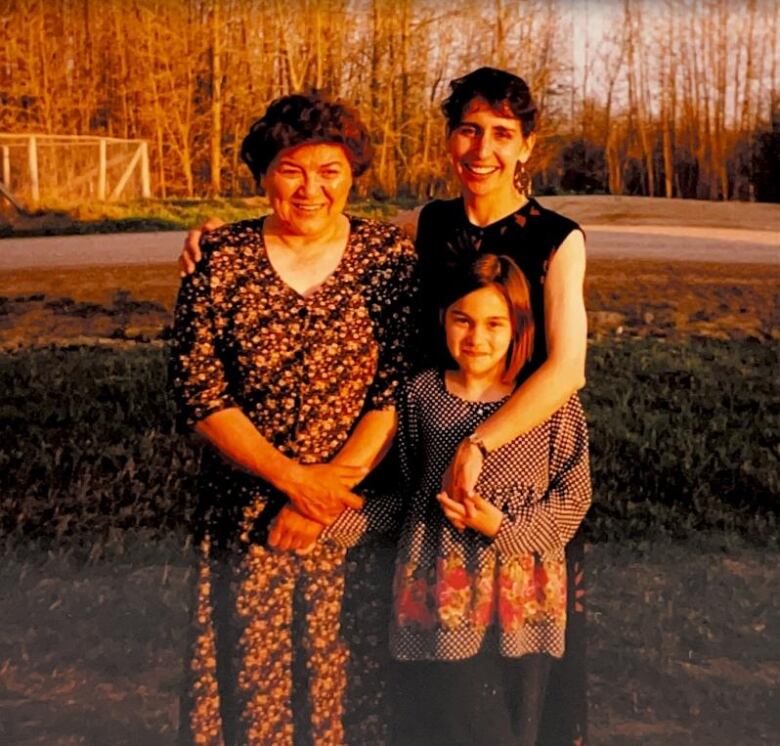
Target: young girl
x,y
479,596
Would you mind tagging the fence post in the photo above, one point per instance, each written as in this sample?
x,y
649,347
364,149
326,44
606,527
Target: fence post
x,y
101,189
6,166
32,159
125,177
146,191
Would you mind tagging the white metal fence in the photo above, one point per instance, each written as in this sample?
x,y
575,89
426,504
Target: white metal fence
x,y
69,169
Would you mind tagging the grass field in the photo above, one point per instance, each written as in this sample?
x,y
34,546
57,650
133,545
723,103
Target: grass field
x,y
179,214
684,556
154,215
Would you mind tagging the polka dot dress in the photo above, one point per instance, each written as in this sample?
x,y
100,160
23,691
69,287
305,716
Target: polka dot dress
x,y
451,589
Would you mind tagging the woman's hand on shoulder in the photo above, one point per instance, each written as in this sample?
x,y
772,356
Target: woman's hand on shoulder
x,y
322,491
190,253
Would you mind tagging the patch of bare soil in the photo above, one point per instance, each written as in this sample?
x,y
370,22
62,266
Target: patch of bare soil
x,y
626,297
682,640
91,654
683,646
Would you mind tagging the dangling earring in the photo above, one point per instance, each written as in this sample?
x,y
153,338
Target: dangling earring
x,y
522,179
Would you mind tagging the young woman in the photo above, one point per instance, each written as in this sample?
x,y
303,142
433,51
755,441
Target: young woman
x,y
479,596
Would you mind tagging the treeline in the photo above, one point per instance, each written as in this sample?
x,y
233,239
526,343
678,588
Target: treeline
x,y
667,97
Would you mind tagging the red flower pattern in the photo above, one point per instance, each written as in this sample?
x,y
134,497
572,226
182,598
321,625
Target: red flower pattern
x,y
510,592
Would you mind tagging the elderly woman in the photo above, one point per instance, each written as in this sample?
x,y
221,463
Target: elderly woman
x,y
289,341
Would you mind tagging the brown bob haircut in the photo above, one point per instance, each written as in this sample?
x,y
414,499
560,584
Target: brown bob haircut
x,y
302,119
501,273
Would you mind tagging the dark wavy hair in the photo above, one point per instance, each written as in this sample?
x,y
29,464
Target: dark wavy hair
x,y
499,88
303,118
501,273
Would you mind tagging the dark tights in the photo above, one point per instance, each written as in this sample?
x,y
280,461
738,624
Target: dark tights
x,y
482,700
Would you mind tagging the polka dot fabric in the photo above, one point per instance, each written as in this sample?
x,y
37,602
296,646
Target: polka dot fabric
x,y
452,590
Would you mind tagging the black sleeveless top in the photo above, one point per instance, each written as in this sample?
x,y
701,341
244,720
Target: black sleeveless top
x,y
446,239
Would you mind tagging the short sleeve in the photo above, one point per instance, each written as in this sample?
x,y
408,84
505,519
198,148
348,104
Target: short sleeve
x,y
196,370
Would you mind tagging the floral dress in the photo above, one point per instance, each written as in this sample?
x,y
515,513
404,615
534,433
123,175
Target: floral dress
x,y
269,661
452,588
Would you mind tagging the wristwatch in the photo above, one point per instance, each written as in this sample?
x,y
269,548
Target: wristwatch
x,y
474,439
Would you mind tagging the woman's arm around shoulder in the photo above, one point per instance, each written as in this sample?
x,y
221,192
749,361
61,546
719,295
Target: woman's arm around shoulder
x,y
561,374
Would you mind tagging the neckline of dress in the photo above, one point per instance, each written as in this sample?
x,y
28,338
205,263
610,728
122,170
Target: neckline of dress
x,y
345,256
442,382
530,203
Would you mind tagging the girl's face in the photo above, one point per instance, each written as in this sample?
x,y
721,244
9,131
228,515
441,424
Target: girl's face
x,y
485,148
308,187
479,332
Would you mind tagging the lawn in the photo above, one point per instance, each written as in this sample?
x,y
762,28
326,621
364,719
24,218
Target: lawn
x,y
683,552
179,214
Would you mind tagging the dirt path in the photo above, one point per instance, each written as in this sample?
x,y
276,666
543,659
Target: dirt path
x,y
604,241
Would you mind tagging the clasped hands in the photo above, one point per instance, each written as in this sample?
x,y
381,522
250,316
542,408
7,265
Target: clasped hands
x,y
461,505
318,494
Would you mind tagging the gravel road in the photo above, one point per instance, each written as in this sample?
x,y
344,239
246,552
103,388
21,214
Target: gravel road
x,y
604,241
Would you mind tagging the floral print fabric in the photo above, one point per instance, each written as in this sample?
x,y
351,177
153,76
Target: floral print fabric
x,y
303,369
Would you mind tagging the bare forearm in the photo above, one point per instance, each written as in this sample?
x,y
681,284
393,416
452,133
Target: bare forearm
x,y
370,440
232,433
544,392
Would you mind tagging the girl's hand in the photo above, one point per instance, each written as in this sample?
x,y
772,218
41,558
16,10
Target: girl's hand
x,y
454,511
474,512
320,492
291,531
190,253
461,476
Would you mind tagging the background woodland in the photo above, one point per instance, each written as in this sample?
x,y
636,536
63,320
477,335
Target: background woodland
x,y
668,97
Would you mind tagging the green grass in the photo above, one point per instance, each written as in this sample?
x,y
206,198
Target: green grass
x,y
160,215
96,573
684,437
181,214
683,440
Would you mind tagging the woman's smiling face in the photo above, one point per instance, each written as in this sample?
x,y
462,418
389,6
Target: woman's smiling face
x,y
308,186
485,148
